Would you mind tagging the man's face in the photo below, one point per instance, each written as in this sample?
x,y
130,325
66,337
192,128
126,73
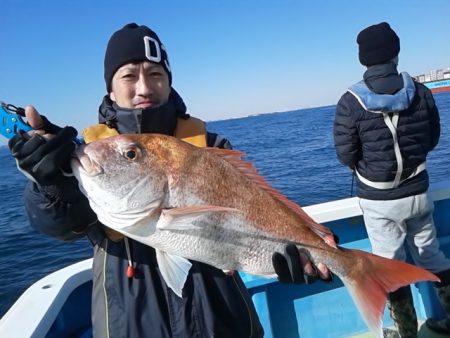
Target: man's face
x,y
140,85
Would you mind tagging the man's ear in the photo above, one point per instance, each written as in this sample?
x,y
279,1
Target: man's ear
x,y
112,96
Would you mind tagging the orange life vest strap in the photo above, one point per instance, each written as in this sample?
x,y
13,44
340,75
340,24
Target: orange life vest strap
x,y
98,132
192,131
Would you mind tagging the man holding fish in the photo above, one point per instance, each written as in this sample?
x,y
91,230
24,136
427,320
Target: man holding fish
x,y
135,293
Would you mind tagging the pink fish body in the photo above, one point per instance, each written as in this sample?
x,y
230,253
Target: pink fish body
x,y
209,205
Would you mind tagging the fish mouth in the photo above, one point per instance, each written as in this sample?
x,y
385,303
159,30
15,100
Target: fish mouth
x,y
82,163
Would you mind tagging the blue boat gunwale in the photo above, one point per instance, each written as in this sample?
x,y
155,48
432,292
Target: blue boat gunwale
x,y
284,309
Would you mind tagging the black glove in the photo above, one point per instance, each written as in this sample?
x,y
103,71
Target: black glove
x,y
289,268
43,160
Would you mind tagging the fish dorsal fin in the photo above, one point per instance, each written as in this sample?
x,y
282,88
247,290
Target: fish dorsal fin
x,y
234,157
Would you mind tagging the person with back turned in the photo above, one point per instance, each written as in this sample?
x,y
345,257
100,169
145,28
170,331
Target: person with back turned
x,y
384,128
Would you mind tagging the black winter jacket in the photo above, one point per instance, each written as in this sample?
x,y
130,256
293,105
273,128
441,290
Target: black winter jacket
x,y
365,143
214,304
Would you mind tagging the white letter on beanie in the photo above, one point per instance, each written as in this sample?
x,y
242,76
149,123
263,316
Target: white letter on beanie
x,y
153,58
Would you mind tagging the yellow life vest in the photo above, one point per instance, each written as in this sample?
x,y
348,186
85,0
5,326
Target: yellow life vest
x,y
192,131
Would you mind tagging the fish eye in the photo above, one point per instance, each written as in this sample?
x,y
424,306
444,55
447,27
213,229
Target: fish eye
x,y
131,153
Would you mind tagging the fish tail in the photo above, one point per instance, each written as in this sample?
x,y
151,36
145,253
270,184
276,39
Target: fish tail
x,y
375,277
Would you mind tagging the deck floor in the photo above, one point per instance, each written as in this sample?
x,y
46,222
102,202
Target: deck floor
x,y
424,332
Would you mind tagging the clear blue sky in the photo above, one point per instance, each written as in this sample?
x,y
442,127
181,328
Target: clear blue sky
x,y
229,58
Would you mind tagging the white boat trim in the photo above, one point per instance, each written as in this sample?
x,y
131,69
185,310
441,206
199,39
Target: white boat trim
x,y
349,207
38,307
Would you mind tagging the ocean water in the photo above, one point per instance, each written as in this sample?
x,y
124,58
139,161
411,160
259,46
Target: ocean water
x,y
293,150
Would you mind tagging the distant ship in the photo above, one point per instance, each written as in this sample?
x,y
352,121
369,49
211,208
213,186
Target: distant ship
x,y
437,80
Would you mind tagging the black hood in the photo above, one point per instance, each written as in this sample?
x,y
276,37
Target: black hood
x,y
161,119
383,78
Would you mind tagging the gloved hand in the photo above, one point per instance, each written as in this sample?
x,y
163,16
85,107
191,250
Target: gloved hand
x,y
295,266
41,158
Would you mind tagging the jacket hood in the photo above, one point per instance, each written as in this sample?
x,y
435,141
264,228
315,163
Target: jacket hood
x,y
385,103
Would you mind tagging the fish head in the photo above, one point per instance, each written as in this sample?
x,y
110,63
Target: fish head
x,y
124,180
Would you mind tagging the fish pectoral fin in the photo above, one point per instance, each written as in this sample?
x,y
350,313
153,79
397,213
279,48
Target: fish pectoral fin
x,y
183,218
174,269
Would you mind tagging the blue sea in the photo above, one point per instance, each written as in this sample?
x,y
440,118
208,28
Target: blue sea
x,y
293,150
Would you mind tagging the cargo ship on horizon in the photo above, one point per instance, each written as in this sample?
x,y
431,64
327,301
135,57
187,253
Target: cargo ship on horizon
x,y
437,81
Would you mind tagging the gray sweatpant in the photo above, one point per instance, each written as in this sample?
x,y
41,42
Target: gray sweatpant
x,y
391,223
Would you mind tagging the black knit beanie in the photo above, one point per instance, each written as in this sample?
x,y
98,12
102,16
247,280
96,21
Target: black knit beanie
x,y
134,43
377,44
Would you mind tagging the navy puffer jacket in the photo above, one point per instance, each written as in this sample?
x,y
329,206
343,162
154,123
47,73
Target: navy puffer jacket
x,y
365,143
